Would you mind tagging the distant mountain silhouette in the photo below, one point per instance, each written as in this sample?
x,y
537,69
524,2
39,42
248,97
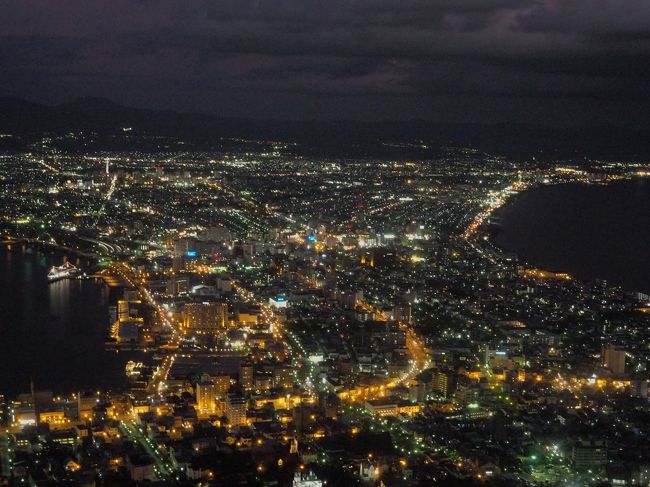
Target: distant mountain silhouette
x,y
19,116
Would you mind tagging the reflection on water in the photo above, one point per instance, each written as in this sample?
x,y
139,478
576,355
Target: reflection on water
x,y
59,300
53,332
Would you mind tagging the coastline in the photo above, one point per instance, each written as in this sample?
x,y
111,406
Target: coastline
x,y
50,245
71,320
490,229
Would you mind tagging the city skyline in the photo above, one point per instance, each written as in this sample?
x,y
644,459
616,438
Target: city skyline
x,y
314,243
258,312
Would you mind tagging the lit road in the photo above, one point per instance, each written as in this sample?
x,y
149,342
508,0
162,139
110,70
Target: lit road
x,y
279,332
163,467
5,456
122,270
415,345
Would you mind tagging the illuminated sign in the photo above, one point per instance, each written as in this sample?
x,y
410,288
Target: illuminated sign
x,y
191,253
312,238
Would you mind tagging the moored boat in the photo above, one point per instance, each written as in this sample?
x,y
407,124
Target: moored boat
x,y
61,272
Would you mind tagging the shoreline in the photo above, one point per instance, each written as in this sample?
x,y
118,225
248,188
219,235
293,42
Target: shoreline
x,y
488,231
111,381
50,245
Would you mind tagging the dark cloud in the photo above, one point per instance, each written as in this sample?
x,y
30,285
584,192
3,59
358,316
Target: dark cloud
x,y
474,60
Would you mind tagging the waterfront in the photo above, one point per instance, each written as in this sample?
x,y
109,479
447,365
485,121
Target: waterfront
x,y
53,332
590,231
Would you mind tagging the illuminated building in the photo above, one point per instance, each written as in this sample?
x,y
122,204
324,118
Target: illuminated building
x,y
209,392
51,417
25,415
85,405
65,437
203,290
263,381
306,479
408,408
614,359
417,390
206,396
279,401
246,378
247,318
127,309
257,340
383,407
235,409
278,302
466,392
222,383
441,382
177,285
205,317
472,412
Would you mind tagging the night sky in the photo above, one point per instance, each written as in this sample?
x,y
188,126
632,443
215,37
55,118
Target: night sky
x,y
551,61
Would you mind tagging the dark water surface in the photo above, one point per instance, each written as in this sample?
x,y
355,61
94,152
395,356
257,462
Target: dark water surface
x,y
590,231
53,332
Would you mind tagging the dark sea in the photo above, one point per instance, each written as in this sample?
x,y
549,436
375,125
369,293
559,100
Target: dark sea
x,y
590,231
52,332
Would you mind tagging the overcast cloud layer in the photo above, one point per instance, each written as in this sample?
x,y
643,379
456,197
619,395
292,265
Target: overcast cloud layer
x,y
550,61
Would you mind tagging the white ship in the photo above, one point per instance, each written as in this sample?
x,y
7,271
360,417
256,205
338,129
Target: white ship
x,y
62,271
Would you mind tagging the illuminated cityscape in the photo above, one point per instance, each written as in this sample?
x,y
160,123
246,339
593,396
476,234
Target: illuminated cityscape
x,y
305,320
342,243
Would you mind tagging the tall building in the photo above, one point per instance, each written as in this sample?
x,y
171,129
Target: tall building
x,y
206,397
177,285
235,409
442,383
205,317
614,359
222,384
246,375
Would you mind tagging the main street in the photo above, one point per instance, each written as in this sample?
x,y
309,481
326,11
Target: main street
x,y
157,382
162,465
